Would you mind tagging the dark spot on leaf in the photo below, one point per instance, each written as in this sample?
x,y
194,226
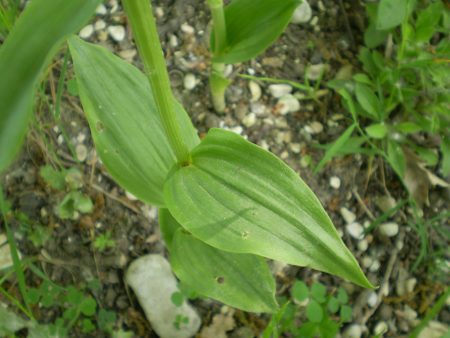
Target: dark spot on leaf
x,y
100,126
220,280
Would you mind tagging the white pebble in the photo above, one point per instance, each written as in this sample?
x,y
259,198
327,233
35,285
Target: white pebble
x,y
255,91
347,215
366,262
375,266
355,230
295,148
189,81
117,33
99,25
411,284
288,104
335,182
101,10
86,32
81,152
173,41
380,328
302,13
159,12
279,90
186,28
153,282
372,299
314,128
314,72
249,120
363,245
389,229
353,331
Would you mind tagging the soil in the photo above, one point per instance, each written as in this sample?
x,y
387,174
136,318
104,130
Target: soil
x,y
69,257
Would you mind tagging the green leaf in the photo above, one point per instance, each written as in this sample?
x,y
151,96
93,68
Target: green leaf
x,y
377,130
237,197
342,296
408,127
168,226
124,121
445,150
300,291
391,13
362,78
333,305
427,20
54,178
314,312
335,148
346,313
29,47
396,158
88,306
319,292
241,280
252,27
177,298
367,99
83,203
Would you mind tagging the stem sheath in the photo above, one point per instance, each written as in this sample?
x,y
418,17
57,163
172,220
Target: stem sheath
x,y
140,15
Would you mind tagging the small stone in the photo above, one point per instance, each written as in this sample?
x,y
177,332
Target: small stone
x,y
410,284
355,230
255,91
159,12
335,182
128,54
434,329
314,21
117,33
99,25
302,13
353,331
375,266
389,229
314,128
347,215
86,32
315,72
186,28
363,245
295,148
288,104
173,41
372,299
101,10
249,120
279,90
130,196
189,81
380,328
366,262
81,152
153,282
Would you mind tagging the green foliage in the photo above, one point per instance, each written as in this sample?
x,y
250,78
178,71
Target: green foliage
x,y
22,58
252,27
403,93
104,241
324,314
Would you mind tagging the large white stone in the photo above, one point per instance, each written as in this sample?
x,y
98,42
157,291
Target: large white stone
x,y
117,32
279,90
355,230
302,13
153,282
389,229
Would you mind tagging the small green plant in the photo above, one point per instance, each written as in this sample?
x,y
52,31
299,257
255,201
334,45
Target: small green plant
x,y
403,93
70,181
104,241
241,31
225,204
311,312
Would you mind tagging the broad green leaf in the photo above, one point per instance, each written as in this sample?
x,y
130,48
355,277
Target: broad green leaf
x,y
240,280
30,45
252,26
335,148
427,21
124,121
168,226
396,158
319,292
333,305
408,127
445,150
367,99
314,311
346,313
391,13
377,130
237,197
300,291
342,296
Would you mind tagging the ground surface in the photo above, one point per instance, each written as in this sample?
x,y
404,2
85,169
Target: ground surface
x,y
332,38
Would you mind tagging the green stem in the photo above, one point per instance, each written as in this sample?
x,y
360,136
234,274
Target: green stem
x,y
217,81
147,40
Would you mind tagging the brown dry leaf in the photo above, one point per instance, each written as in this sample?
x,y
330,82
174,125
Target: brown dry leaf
x,y
221,323
418,178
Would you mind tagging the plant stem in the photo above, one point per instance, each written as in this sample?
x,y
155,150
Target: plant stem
x,y
140,15
217,81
